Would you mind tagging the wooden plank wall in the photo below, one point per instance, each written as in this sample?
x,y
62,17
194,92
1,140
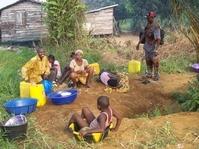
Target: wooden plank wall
x,y
32,29
101,22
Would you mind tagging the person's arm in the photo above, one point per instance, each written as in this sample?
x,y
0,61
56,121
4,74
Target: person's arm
x,y
118,120
85,63
101,120
157,39
72,66
142,36
24,71
47,66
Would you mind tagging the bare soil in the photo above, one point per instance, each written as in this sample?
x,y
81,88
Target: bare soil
x,y
141,98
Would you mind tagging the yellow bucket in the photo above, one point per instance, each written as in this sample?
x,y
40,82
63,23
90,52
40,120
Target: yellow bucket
x,y
24,89
94,137
134,66
37,92
96,68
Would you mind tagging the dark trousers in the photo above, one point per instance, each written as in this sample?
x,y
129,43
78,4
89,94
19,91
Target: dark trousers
x,y
53,75
65,74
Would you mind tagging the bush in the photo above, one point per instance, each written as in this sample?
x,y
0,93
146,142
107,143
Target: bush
x,y
190,99
65,20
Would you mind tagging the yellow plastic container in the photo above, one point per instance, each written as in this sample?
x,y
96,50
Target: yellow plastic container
x,y
24,89
134,66
37,92
96,68
94,137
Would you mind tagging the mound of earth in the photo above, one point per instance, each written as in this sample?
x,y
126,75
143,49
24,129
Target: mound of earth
x,y
141,98
176,131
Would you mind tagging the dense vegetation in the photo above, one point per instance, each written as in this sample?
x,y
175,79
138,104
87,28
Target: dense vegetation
x,y
189,100
64,20
135,10
180,15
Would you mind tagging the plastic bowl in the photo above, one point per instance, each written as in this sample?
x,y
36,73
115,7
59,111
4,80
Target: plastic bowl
x,y
195,67
17,127
20,106
63,97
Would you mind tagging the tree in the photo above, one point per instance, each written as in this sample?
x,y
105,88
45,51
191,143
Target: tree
x,y
135,10
64,20
188,20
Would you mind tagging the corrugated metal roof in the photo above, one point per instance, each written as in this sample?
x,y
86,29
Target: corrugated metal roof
x,y
103,8
20,1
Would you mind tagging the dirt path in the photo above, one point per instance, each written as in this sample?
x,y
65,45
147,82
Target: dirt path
x,y
140,98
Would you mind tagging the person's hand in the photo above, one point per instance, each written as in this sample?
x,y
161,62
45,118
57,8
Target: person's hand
x,y
83,72
79,71
44,77
138,46
82,133
156,53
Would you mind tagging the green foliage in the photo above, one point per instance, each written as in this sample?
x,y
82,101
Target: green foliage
x,y
135,10
92,56
176,64
187,16
189,100
64,20
10,71
173,64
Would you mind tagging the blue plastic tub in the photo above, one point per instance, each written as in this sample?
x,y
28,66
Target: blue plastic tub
x,y
20,106
63,97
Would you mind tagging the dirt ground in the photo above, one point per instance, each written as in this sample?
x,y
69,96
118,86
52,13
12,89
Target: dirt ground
x,y
183,128
141,98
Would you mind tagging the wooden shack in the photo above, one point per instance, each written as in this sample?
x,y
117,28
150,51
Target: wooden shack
x,y
22,21
101,21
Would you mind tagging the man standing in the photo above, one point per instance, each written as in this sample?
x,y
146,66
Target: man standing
x,y
151,39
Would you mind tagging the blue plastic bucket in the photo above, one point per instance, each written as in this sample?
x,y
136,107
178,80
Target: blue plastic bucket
x,y
48,85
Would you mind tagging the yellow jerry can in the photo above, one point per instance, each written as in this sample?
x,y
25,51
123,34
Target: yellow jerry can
x,y
134,66
24,89
37,91
96,68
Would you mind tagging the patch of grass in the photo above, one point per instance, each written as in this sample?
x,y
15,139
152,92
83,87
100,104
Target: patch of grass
x,y
173,64
157,111
156,138
189,100
11,63
176,64
92,56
